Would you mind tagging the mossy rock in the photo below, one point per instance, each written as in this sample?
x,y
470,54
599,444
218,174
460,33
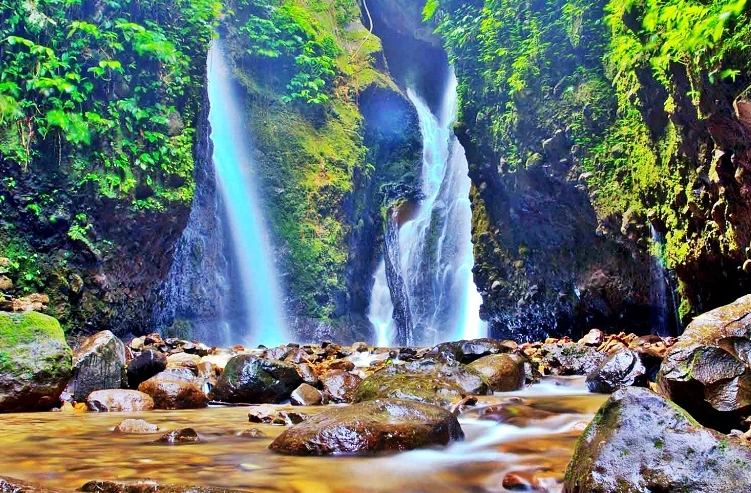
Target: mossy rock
x,y
35,361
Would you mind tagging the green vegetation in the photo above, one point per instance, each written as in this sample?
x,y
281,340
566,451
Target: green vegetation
x,y
24,328
109,93
626,80
304,64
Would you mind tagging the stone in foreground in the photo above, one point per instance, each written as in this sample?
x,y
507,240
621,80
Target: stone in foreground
x,y
35,362
253,380
384,425
97,365
623,368
171,391
119,400
641,442
505,372
708,371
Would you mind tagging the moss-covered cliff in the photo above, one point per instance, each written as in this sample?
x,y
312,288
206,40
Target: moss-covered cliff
x,y
99,105
336,140
583,121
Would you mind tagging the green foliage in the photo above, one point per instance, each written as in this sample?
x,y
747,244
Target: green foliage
x,y
99,91
306,53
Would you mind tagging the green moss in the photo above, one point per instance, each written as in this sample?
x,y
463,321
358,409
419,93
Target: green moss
x,y
24,328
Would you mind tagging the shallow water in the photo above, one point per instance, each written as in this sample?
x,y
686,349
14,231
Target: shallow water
x,y
64,450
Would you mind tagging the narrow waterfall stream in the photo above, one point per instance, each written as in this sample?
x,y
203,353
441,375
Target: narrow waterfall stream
x,y
435,245
243,289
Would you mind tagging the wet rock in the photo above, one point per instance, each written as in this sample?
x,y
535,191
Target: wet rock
x,y
340,386
308,374
518,481
708,370
505,372
360,347
469,350
341,364
569,358
35,362
519,414
181,436
277,353
375,426
431,380
184,360
170,391
253,433
593,338
306,395
621,369
250,379
144,366
268,414
639,441
97,365
136,426
11,485
105,486
119,400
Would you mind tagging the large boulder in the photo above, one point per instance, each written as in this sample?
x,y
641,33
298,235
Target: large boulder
x,y
98,364
119,400
466,351
570,358
621,369
431,380
375,426
253,380
170,390
708,370
339,386
641,442
35,362
144,366
505,372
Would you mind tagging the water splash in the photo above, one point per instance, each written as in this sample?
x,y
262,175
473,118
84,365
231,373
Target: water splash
x,y
234,165
436,245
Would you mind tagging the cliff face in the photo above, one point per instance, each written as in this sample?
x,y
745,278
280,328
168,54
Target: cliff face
x,y
588,126
99,111
336,142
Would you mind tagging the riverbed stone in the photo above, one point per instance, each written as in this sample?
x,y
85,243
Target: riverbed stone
x,y
641,442
306,395
179,437
136,427
119,400
249,379
466,351
339,386
144,366
35,362
12,485
383,425
431,380
708,370
98,364
570,358
171,391
623,368
505,372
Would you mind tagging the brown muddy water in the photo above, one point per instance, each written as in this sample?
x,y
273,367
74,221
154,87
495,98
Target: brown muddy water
x,y
531,433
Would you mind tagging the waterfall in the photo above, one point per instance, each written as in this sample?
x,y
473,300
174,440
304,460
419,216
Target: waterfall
x,y
665,318
435,245
238,278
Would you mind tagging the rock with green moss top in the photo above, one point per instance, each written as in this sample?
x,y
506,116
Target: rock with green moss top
x,y
35,361
641,442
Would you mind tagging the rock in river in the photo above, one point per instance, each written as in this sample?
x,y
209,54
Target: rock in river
x,y
708,371
144,366
119,400
35,362
374,426
641,442
249,379
97,365
505,372
621,369
171,391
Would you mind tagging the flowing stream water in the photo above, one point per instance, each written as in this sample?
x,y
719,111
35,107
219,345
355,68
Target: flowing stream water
x,y
534,440
435,245
243,289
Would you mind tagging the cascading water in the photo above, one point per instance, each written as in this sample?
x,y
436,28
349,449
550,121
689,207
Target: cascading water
x,y
665,318
247,278
435,245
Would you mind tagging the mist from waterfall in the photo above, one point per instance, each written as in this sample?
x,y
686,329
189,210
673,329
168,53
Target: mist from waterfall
x,y
435,245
